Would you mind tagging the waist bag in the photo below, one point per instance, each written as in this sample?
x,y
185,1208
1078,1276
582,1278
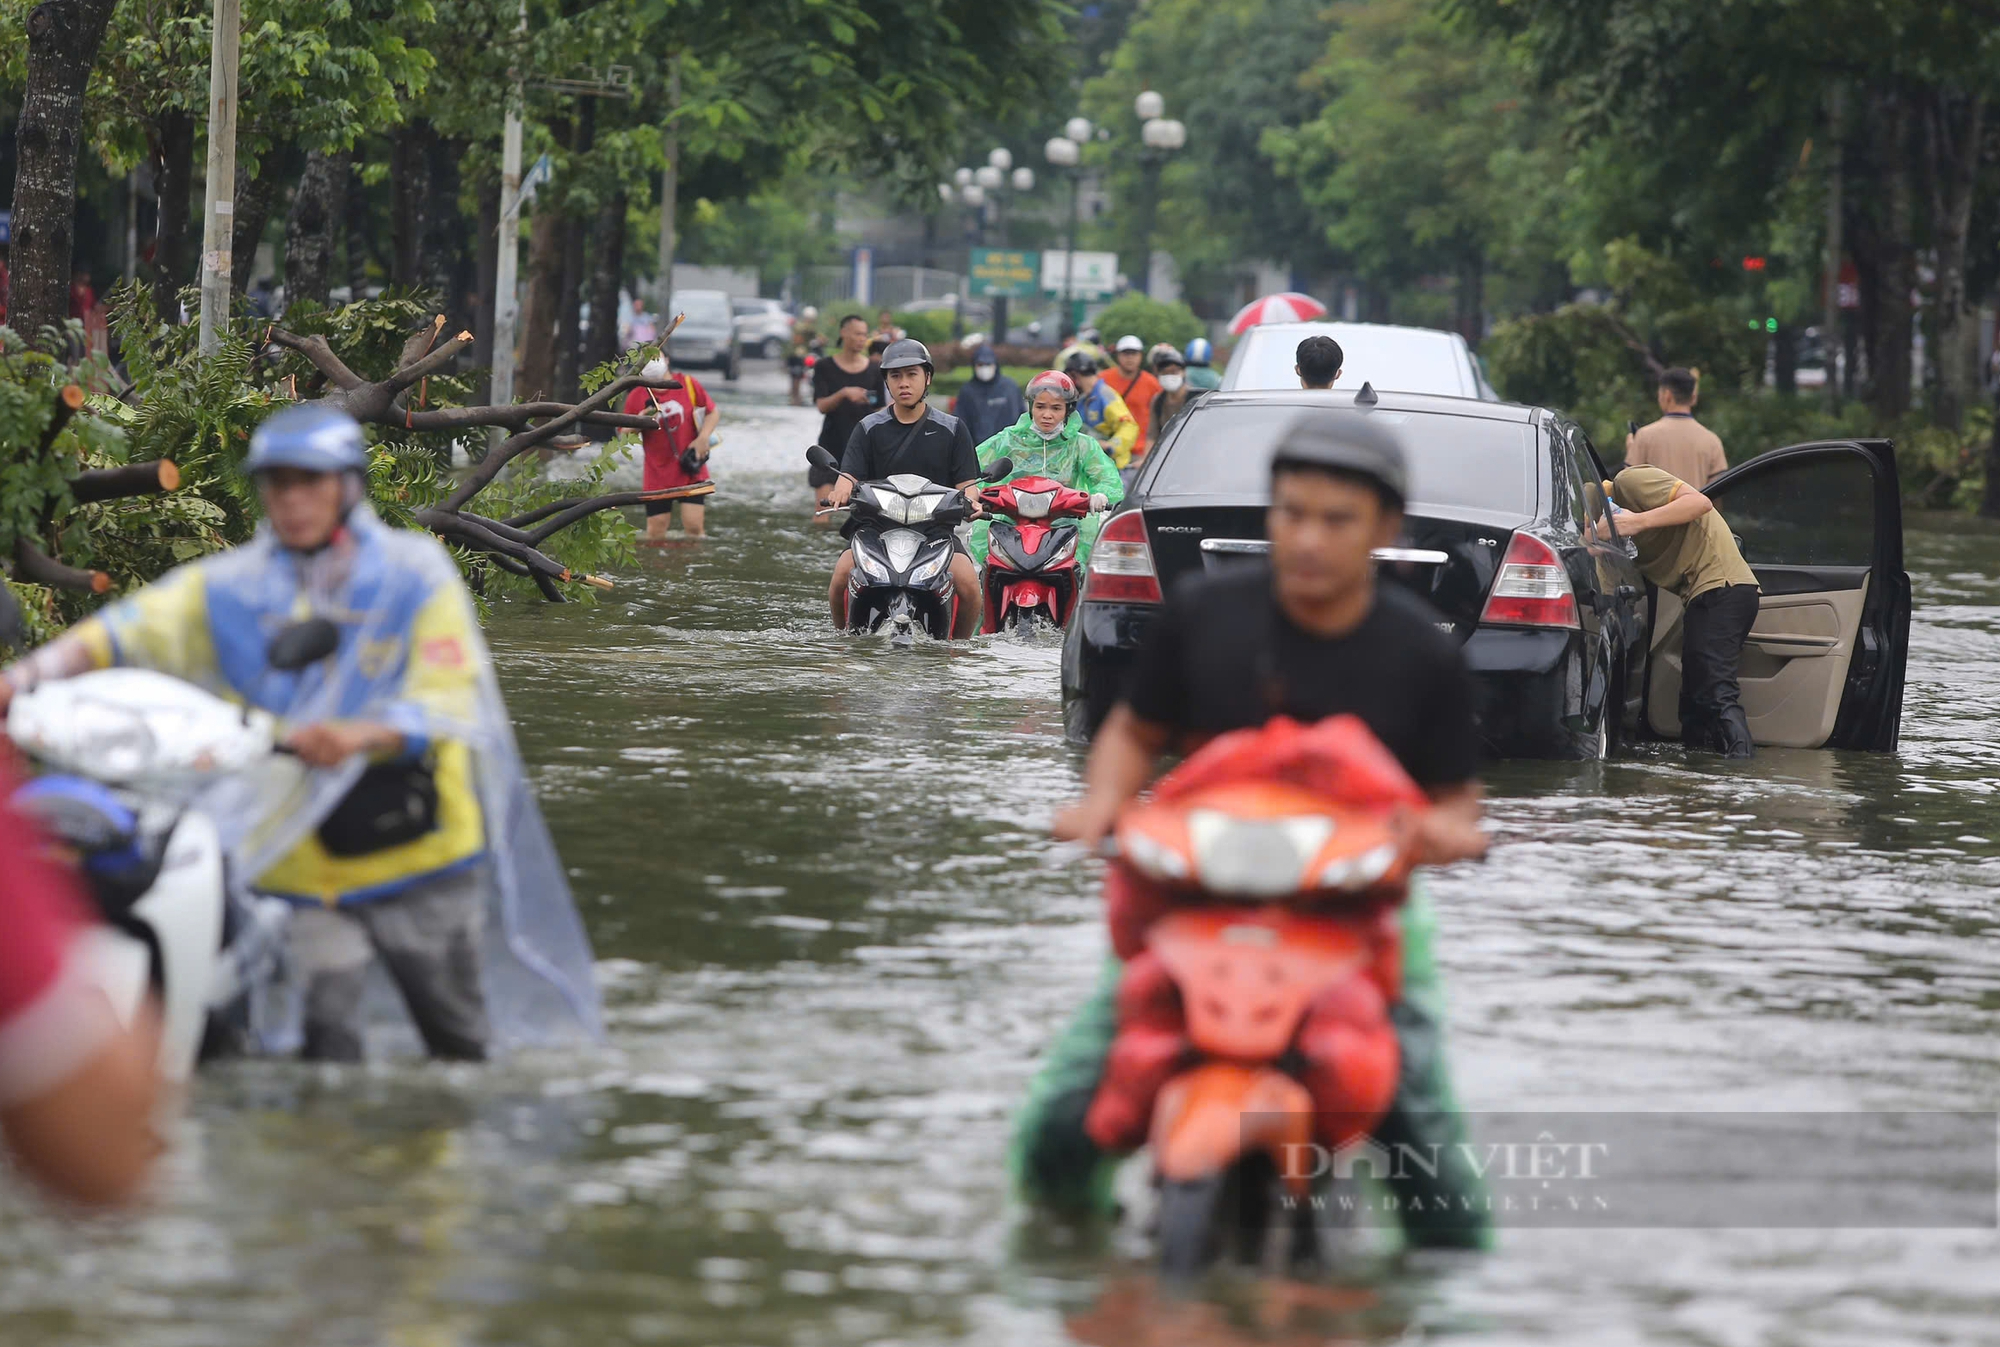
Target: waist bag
x,y
392,803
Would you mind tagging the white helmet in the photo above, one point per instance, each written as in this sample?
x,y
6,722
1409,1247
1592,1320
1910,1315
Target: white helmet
x,y
809,313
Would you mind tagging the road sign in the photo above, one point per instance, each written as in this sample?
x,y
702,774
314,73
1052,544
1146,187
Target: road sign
x,y
6,226
1095,274
993,272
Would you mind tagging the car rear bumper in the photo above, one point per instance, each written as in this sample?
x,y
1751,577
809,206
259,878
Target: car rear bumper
x,y
1531,683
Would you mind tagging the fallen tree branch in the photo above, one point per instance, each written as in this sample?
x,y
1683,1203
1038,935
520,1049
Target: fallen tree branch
x,y
454,525
68,403
430,364
39,567
512,417
320,354
566,513
134,479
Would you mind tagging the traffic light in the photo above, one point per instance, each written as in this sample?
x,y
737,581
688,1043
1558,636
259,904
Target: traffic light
x,y
1753,264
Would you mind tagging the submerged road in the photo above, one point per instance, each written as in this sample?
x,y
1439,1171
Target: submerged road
x,y
834,935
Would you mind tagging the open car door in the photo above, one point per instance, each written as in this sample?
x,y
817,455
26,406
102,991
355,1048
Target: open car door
x,y
1822,526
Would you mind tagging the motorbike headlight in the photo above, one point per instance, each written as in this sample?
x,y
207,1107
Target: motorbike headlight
x,y
871,566
1358,872
931,569
1033,504
1063,553
1153,857
902,545
1263,858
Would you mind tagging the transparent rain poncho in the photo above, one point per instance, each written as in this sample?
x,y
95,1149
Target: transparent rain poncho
x,y
1073,457
385,588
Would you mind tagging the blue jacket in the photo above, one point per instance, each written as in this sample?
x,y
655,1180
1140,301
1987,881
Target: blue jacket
x,y
988,406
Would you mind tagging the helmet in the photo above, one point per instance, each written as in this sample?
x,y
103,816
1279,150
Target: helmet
x,y
1053,381
311,436
1088,336
1164,355
1079,361
809,313
1200,351
905,353
1129,342
1346,442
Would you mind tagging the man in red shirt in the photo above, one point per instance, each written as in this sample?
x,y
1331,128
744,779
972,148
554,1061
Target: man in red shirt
x,y
677,448
77,1088
1138,387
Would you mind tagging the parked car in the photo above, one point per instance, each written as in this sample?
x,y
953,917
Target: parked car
x,y
1392,359
763,328
707,339
1572,649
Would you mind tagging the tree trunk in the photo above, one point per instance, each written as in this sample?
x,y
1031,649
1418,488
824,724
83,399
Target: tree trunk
x,y
1472,296
1894,327
445,264
537,377
1953,127
1989,507
409,201
358,228
1785,359
607,272
1836,246
569,318
255,196
317,206
173,236
63,38
487,285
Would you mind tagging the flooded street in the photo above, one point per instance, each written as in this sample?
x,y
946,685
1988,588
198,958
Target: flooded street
x,y
834,936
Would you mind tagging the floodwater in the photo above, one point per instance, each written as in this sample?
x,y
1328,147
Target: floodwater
x,y
834,935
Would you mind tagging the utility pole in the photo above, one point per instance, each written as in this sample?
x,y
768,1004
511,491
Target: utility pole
x,y
219,208
670,143
508,259
1829,331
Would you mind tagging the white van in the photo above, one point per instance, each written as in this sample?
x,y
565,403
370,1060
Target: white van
x,y
1393,359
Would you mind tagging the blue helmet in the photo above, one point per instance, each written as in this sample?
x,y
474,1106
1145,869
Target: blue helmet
x,y
1200,352
313,437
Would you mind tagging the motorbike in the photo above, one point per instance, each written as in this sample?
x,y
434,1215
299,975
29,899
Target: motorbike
x,y
1255,909
129,752
901,537
1031,571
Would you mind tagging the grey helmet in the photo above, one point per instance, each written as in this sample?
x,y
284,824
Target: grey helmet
x,y
906,353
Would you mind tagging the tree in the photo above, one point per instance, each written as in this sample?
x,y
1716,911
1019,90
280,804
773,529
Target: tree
x,y
63,38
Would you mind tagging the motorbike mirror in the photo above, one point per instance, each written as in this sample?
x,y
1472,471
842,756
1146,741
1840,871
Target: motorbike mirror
x,y
999,470
820,458
302,643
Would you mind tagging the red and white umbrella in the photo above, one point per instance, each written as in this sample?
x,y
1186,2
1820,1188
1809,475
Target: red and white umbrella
x,y
1289,307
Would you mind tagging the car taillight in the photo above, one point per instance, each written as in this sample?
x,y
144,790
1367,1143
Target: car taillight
x,y
1121,565
1532,589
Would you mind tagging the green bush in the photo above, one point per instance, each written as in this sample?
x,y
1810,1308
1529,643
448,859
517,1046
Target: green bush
x,y
932,327
1153,321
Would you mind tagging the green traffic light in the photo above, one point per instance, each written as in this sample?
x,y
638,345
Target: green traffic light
x,y
1770,325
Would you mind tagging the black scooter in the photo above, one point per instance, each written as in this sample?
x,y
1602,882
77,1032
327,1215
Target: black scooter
x,y
900,532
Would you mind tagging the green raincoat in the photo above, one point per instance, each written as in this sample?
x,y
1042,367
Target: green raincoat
x,y
1073,457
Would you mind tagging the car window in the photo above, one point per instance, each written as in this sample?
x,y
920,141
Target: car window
x,y
1393,359
704,308
1818,510
1456,462
745,307
1590,475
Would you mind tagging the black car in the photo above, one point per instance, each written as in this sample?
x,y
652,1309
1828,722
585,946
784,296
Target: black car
x,y
1573,649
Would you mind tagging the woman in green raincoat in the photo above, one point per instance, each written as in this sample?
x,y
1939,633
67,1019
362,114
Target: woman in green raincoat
x,y
1049,441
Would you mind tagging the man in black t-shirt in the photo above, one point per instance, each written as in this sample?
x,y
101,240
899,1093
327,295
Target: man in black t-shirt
x,y
1310,636
910,436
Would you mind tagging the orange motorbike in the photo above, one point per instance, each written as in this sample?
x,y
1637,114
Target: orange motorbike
x,y
1253,899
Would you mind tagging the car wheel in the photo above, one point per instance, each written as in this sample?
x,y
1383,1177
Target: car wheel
x,y
773,349
732,369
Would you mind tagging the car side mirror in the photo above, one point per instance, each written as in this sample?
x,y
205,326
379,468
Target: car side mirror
x,y
820,458
302,644
998,471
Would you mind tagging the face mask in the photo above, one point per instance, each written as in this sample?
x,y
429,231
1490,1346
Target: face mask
x,y
656,368
1049,434
1171,382
985,373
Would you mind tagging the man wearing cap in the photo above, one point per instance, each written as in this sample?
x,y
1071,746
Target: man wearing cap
x,y
1309,636
1136,387
909,435
380,876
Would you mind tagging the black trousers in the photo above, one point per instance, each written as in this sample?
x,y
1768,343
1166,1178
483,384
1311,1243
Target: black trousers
x,y
1713,633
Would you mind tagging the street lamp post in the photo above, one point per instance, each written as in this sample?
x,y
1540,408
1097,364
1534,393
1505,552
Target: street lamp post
x,y
1065,153
976,188
1159,137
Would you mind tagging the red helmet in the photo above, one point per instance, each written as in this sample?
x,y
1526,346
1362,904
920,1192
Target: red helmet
x,y
1053,381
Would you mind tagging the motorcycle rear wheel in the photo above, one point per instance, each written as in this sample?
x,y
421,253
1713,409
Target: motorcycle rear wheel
x,y
1187,1220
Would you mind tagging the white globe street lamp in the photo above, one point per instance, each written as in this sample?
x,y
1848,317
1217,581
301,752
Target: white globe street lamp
x,y
944,191
1149,105
1001,158
1163,134
974,194
989,177
1062,151
1024,179
1078,129
962,176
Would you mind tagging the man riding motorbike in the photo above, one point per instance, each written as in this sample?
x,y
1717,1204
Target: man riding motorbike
x,y
1104,413
910,436
1201,373
1049,441
400,866
1310,636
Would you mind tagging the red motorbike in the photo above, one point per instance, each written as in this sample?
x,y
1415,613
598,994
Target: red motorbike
x,y
1253,900
1031,570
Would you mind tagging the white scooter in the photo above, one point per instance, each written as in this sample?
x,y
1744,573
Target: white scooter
x,y
130,752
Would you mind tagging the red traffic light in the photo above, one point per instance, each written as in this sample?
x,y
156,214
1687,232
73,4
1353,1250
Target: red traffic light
x,y
1753,264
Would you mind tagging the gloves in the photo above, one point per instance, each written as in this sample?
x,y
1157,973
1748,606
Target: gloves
x,y
1099,502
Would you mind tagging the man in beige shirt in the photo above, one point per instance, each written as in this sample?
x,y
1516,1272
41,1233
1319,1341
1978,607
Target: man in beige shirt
x,y
1677,442
1685,546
